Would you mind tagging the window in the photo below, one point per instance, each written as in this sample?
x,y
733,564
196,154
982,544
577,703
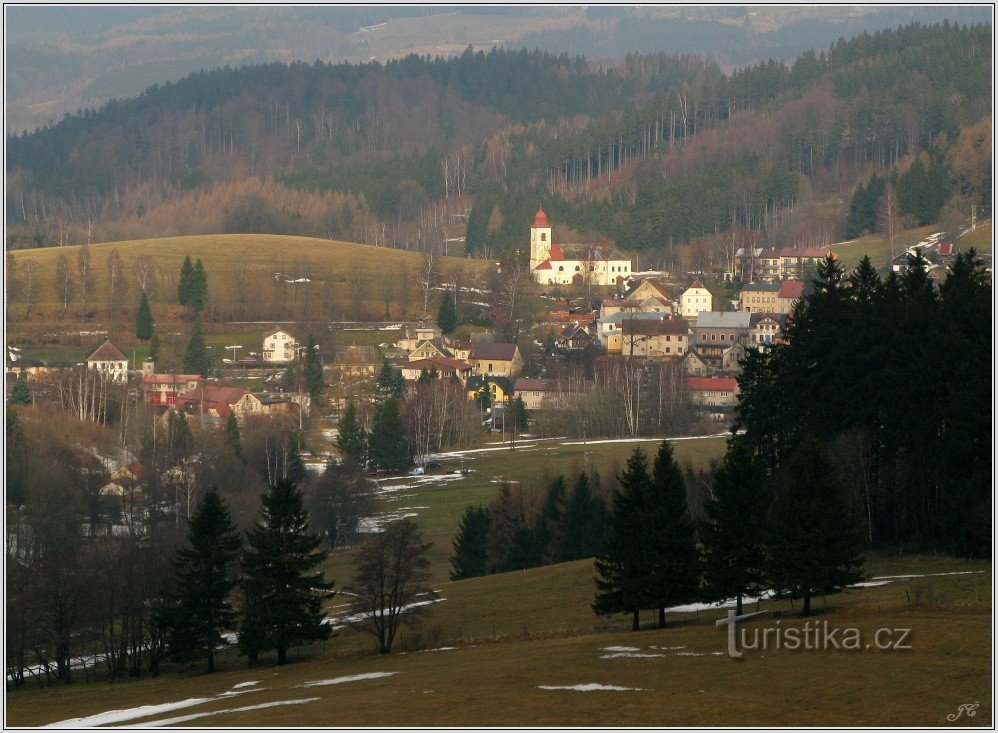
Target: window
x,y
561,269
544,236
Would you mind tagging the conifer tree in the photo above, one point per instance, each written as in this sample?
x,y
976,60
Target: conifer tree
x,y
197,359
143,319
154,347
733,534
812,546
584,522
282,583
549,528
390,383
199,610
184,286
622,568
198,294
312,369
232,437
447,313
388,447
667,530
352,438
468,560
20,393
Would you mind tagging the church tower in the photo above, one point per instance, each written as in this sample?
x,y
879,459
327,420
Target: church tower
x,y
540,239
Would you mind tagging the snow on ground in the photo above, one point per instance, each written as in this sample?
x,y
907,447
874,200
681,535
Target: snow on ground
x,y
121,716
726,603
249,683
591,687
621,648
373,525
439,649
348,678
927,575
339,622
630,655
459,453
245,709
643,440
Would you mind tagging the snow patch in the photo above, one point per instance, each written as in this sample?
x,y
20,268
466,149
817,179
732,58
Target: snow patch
x,y
121,716
630,655
621,648
348,678
591,687
250,683
244,709
645,440
439,649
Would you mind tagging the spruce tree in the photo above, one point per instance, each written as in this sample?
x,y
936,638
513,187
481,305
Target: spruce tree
x,y
200,610
143,319
622,571
447,313
468,560
232,437
388,447
351,439
390,383
733,534
197,359
184,286
312,370
549,528
282,583
20,393
198,287
154,347
667,529
812,546
584,522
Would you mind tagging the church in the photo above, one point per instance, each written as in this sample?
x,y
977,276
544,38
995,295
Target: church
x,y
573,264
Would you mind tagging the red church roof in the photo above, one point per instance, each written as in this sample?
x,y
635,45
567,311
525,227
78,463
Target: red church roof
x,y
545,265
556,252
541,219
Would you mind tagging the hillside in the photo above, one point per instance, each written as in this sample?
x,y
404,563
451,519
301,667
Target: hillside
x,y
486,652
342,276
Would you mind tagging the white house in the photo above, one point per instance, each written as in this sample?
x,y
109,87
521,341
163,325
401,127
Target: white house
x,y
279,347
573,264
695,300
108,360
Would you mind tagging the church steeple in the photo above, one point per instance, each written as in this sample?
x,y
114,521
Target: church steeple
x,y
540,239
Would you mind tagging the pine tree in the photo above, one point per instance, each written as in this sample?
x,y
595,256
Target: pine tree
x,y
184,286
198,287
20,393
667,529
388,447
584,523
197,359
232,437
282,584
468,560
549,528
143,319
312,369
622,568
733,534
812,546
200,610
154,347
447,313
390,383
351,439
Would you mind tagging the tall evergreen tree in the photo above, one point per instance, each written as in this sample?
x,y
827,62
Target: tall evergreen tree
x,y
469,558
20,393
312,369
549,528
351,438
622,570
185,284
143,319
232,437
388,446
733,533
282,583
812,546
584,522
667,529
154,347
389,383
200,611
197,358
198,296
447,313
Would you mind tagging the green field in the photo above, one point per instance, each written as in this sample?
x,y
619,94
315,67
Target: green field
x,y
878,247
981,239
513,633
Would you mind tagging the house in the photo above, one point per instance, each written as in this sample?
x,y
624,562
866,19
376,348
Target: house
x,y
563,315
731,358
610,325
219,401
695,300
501,388
162,390
793,261
573,338
429,350
665,339
759,297
713,391
416,333
278,405
441,365
539,393
109,361
754,264
765,329
790,292
695,365
649,288
460,350
354,363
279,347
498,360
573,264
715,331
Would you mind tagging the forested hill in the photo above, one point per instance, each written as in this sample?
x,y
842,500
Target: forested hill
x,y
650,150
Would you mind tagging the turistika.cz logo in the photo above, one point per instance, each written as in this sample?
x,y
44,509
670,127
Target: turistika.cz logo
x,y
812,636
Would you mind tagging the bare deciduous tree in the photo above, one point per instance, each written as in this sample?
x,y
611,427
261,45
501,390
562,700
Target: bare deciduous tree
x,y
85,272
146,275
64,283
